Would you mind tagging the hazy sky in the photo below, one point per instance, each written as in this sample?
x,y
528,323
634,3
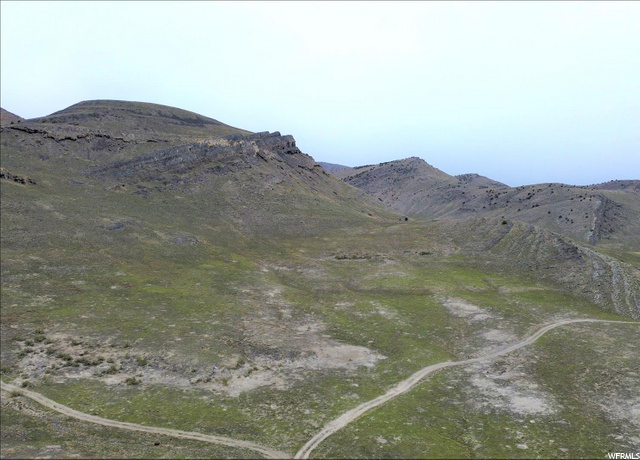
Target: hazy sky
x,y
520,92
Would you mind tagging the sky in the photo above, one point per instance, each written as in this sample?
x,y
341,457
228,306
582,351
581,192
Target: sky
x,y
522,92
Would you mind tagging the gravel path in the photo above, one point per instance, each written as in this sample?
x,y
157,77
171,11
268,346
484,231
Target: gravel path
x,y
266,451
329,429
408,384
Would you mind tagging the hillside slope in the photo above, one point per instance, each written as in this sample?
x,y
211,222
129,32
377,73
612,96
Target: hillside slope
x,y
602,213
118,172
518,247
172,274
130,152
8,118
139,120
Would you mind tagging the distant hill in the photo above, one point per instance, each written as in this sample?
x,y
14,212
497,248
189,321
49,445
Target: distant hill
x,y
626,185
147,170
479,181
332,168
163,268
592,214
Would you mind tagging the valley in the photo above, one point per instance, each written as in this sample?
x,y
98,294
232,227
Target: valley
x,y
166,270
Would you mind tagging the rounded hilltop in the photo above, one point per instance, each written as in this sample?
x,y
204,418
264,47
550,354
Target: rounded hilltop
x,y
138,118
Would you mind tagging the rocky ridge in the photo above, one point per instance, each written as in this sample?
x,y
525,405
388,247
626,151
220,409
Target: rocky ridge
x,y
225,154
589,214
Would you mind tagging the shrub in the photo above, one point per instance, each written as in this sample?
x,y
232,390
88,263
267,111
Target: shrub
x,y
111,370
132,381
65,356
90,362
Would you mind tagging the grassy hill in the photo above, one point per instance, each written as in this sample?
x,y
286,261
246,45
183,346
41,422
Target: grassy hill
x,y
162,268
140,120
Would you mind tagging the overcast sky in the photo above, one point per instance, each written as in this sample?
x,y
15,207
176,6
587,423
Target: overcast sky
x,y
520,92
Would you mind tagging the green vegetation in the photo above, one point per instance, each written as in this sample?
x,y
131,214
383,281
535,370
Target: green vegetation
x,y
486,412
49,434
258,298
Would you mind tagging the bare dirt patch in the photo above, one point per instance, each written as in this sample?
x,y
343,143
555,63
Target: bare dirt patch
x,y
463,309
276,352
286,351
503,385
490,330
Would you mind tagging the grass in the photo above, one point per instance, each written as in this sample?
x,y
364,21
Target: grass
x,y
51,434
445,418
401,318
102,282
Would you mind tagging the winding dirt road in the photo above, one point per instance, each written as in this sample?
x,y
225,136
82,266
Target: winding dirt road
x,y
408,384
266,451
329,429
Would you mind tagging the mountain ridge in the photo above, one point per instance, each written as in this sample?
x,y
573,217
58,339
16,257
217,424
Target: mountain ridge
x,y
226,281
588,213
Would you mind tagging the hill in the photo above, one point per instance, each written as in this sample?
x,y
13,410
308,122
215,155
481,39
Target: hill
x,y
163,269
332,167
134,151
605,213
8,118
139,120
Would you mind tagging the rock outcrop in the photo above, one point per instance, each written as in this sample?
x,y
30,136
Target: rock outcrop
x,y
24,180
194,161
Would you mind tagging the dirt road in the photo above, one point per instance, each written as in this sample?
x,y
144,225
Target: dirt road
x,y
408,384
328,429
266,451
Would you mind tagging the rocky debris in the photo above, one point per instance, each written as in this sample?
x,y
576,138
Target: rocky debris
x,y
184,238
24,180
505,386
613,283
118,226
